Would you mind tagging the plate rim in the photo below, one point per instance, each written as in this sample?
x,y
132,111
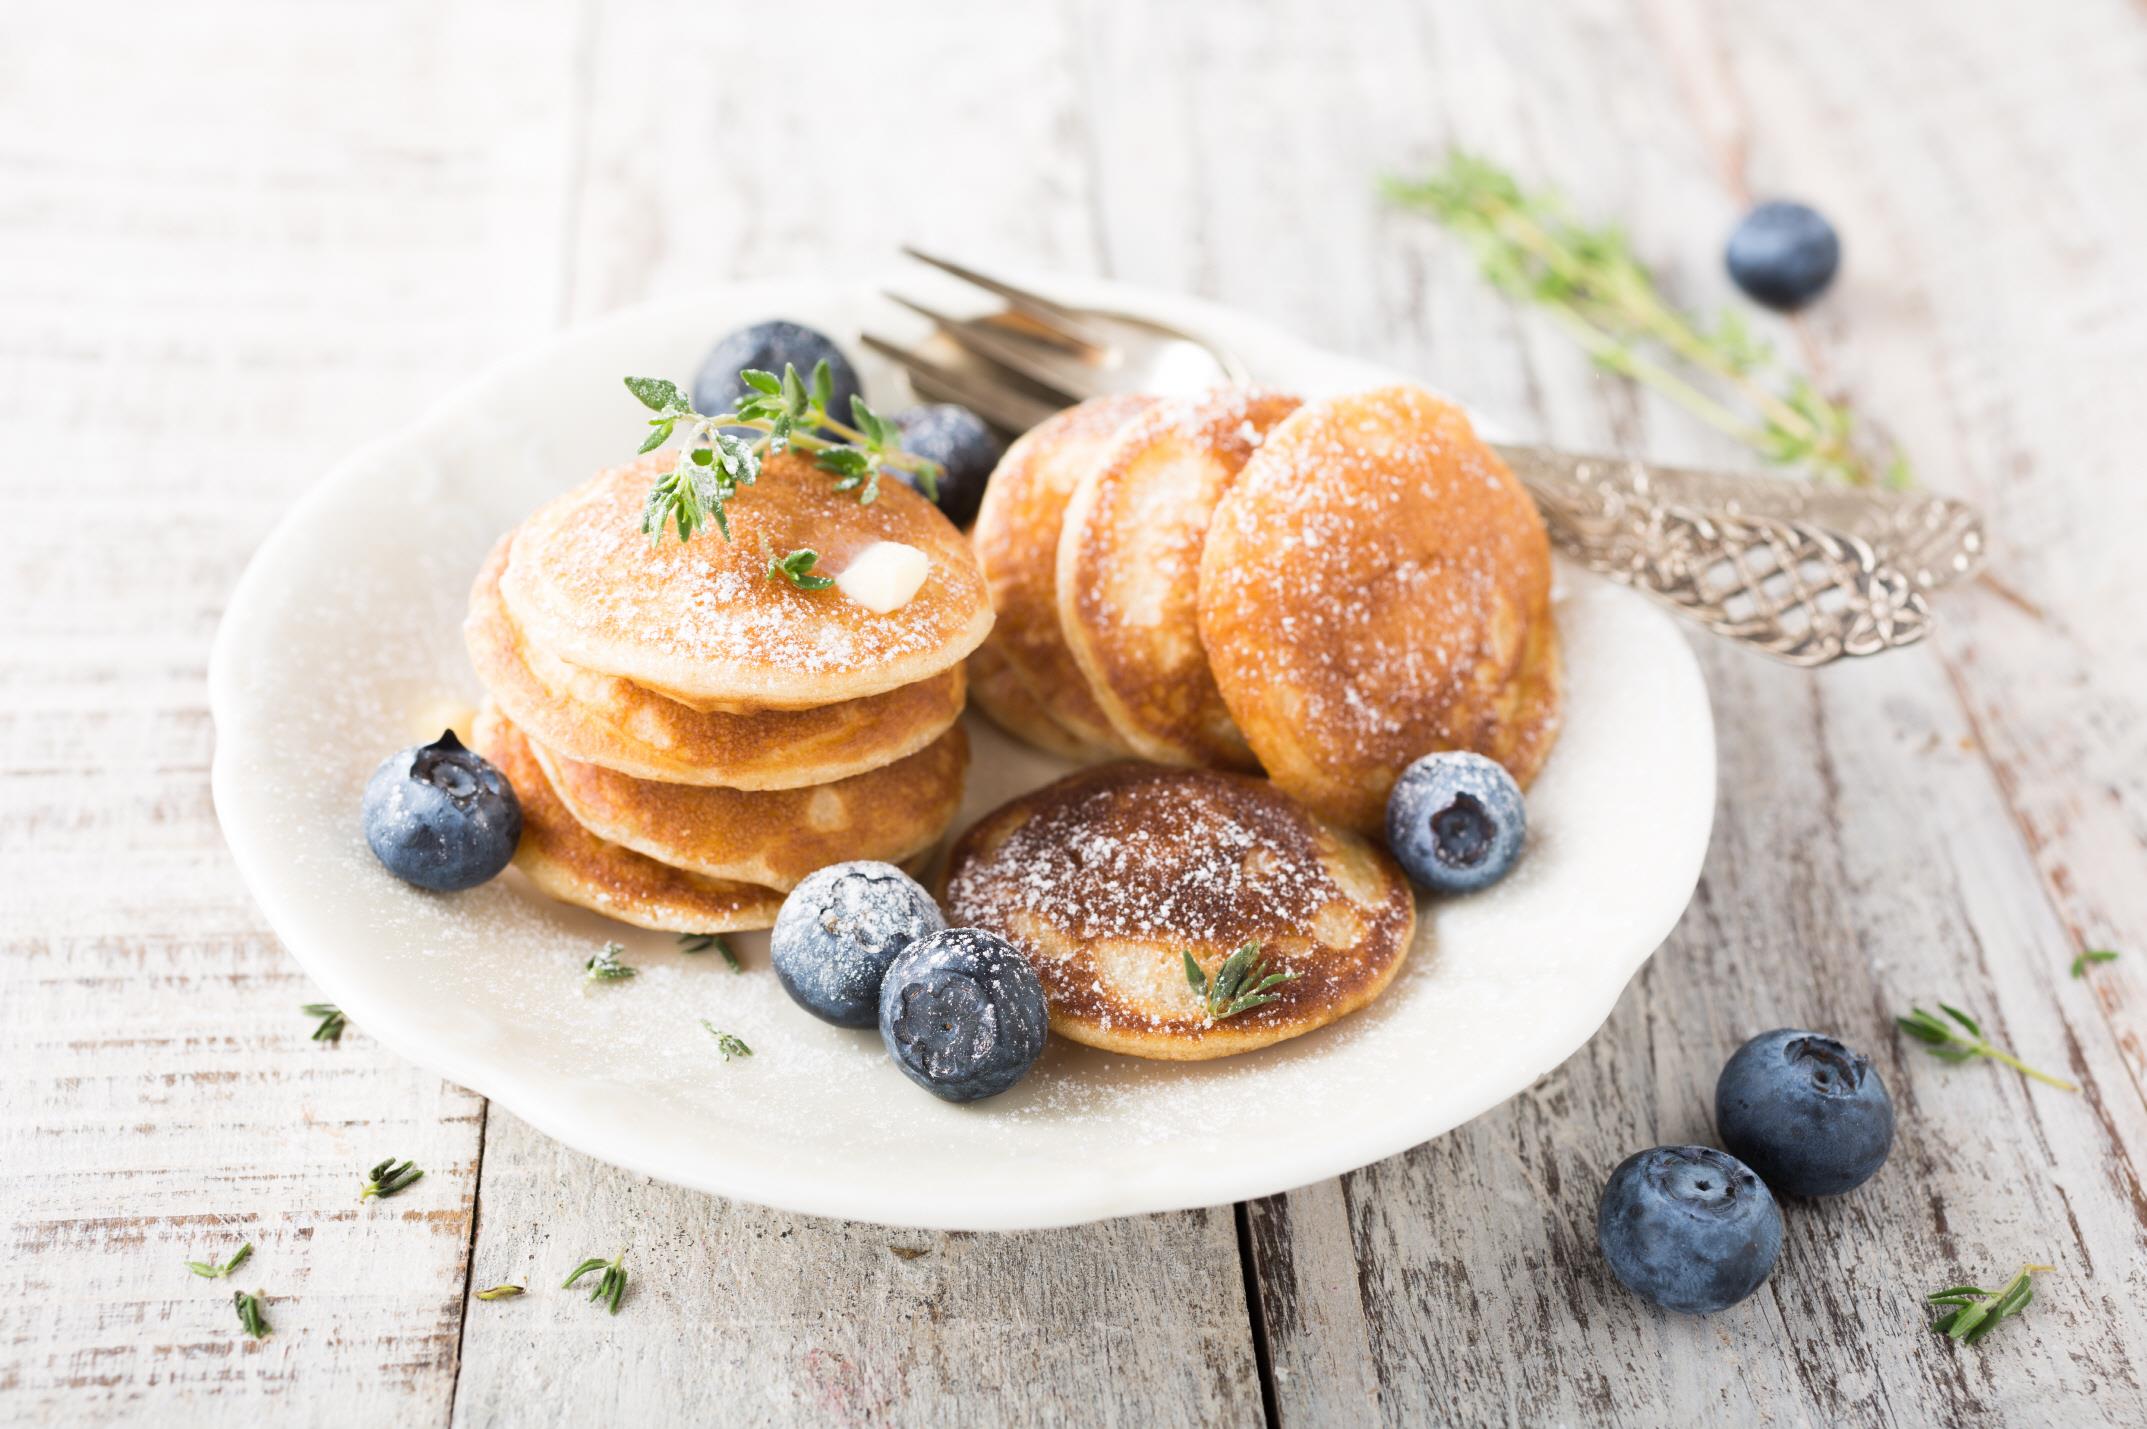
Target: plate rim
x,y
522,1092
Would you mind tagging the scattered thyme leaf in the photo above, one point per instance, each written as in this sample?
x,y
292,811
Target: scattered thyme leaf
x,y
2092,955
1973,1312
606,967
1239,985
1962,1038
389,1177
1530,248
251,1320
797,568
609,1286
501,1292
711,943
727,1044
209,1270
332,1021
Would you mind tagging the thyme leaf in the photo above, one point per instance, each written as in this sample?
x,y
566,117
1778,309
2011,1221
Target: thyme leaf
x,y
609,1286
710,942
332,1021
1958,1037
1239,985
210,1270
1973,1312
390,1177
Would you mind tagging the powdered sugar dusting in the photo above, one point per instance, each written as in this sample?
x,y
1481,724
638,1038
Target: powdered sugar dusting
x,y
703,617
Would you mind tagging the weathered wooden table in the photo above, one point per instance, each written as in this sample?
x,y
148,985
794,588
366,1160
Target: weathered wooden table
x,y
237,239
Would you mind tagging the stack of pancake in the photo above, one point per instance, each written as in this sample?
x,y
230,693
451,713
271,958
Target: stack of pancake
x,y
1327,590
691,734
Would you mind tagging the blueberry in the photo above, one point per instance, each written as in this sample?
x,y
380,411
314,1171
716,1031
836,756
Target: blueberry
x,y
838,931
1456,822
1689,1228
766,347
441,817
1783,255
967,452
962,1014
1805,1112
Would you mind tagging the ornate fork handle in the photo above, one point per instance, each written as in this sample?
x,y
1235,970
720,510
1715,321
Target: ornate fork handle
x,y
1806,574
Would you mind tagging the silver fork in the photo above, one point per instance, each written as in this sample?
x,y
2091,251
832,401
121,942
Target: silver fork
x,y
1805,573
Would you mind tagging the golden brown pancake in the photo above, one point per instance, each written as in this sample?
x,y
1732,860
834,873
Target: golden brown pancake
x,y
602,719
1376,586
772,837
703,622
1129,572
1107,878
999,692
1017,543
573,865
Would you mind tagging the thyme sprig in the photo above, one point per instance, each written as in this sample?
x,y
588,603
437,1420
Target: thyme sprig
x,y
727,1044
1587,279
389,1177
1239,985
332,1021
609,1286
251,1320
1952,1043
1974,1312
786,412
210,1270
711,943
2081,964
606,967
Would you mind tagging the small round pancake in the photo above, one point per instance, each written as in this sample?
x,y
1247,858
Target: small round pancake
x,y
574,866
999,692
602,719
703,622
1106,879
1017,542
1129,572
1375,587
772,837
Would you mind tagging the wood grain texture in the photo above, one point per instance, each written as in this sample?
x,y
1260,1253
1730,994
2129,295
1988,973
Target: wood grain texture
x,y
264,232
221,258
735,1314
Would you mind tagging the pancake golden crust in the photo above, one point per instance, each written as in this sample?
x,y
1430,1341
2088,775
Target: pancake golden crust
x,y
995,689
1129,572
1108,877
574,866
1376,586
602,719
771,837
702,622
1017,543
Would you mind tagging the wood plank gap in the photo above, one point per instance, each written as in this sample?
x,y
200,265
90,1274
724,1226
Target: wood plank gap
x,y
1257,1313
469,1252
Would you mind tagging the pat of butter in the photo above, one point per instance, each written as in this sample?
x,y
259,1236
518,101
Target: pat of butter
x,y
884,576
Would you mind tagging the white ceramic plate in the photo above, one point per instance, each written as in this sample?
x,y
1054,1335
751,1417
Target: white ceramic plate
x,y
343,643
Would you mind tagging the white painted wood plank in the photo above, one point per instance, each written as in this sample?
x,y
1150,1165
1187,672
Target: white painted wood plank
x,y
735,1314
257,235
1864,859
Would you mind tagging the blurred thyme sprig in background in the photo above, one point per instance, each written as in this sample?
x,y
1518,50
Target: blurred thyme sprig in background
x,y
1587,280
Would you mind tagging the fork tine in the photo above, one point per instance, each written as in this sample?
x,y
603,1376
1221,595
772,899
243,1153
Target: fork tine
x,y
997,403
1061,321
1061,374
